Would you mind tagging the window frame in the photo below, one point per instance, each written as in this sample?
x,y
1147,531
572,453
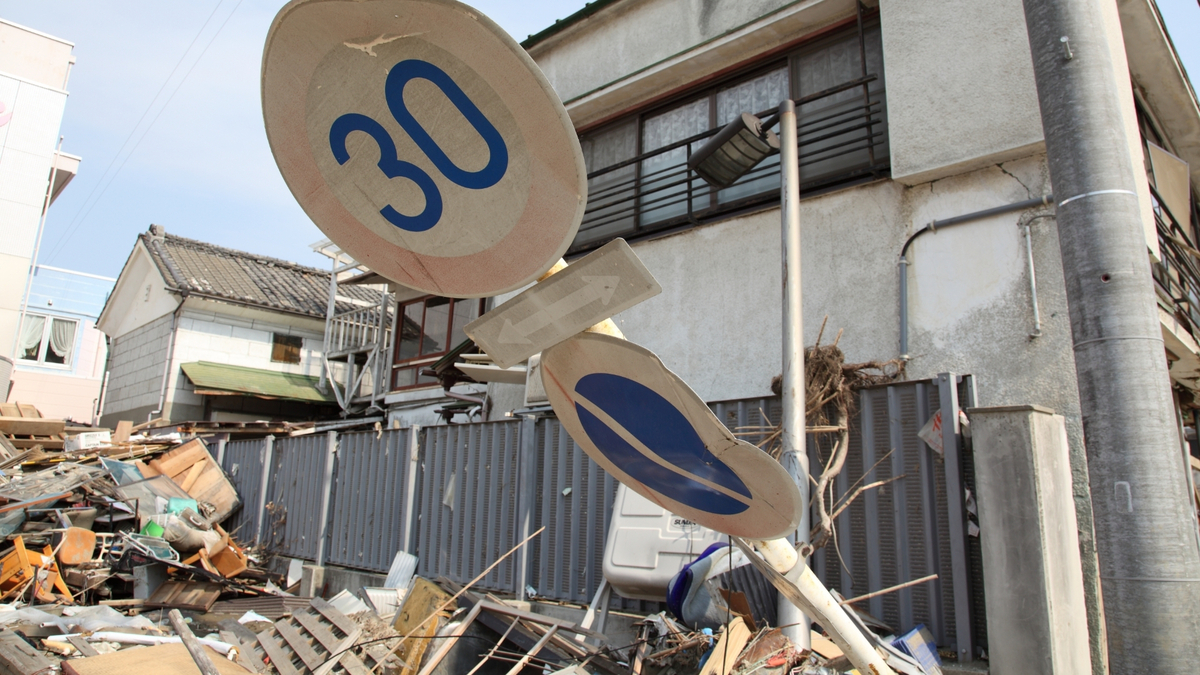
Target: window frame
x,y
421,360
877,146
44,343
277,343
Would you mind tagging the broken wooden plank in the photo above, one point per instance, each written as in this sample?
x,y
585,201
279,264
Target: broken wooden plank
x,y
82,646
246,655
195,649
170,658
123,431
197,596
335,617
18,658
732,641
43,443
299,644
278,653
27,410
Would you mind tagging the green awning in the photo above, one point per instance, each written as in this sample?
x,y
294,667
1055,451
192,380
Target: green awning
x,y
220,379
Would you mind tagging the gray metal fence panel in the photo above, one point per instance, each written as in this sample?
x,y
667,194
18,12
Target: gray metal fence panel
x,y
243,463
294,516
899,531
467,502
574,503
368,512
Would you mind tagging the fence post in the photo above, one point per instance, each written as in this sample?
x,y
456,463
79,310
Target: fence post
x,y
268,458
331,444
410,487
956,510
526,496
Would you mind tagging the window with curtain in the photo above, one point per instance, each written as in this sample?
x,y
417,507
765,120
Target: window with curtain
x,y
638,181
427,329
47,340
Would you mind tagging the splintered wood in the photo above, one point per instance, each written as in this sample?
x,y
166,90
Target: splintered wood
x,y
192,468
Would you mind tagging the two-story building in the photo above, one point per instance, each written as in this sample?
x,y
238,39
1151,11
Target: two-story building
x,y
34,70
203,332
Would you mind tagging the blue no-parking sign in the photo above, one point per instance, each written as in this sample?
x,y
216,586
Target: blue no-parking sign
x,y
644,425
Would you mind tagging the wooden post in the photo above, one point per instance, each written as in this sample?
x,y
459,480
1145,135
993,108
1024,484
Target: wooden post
x,y
205,664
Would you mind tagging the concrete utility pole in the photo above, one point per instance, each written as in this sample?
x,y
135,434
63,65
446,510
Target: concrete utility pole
x,y
1145,527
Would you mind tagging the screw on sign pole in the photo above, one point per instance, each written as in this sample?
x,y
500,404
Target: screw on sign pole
x,y
423,141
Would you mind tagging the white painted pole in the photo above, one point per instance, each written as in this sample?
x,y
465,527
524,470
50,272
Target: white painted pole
x,y
794,456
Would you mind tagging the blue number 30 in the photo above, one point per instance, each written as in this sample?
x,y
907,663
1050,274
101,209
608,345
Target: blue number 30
x,y
393,167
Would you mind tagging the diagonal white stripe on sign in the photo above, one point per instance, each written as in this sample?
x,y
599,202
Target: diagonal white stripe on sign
x,y
650,454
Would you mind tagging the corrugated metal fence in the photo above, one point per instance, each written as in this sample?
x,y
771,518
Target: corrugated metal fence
x,y
460,496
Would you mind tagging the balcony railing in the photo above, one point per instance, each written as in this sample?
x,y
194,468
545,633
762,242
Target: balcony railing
x,y
1178,272
842,139
358,330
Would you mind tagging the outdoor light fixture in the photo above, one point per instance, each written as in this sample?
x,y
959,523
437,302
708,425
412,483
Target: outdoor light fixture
x,y
734,151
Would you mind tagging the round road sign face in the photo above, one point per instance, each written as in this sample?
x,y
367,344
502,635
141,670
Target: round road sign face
x,y
423,141
646,427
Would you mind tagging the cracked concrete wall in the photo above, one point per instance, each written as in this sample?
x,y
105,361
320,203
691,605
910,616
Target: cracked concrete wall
x,y
960,87
717,322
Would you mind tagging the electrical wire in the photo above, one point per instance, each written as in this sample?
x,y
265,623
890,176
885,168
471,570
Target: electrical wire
x,y
79,219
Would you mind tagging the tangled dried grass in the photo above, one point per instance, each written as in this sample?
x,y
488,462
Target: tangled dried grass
x,y
830,393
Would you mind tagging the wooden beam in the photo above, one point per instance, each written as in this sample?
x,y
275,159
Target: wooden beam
x,y
31,426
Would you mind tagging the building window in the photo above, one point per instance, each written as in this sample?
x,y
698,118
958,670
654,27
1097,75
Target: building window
x,y
47,340
638,181
427,330
286,348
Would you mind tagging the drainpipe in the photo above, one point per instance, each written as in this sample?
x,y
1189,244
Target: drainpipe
x,y
933,226
166,376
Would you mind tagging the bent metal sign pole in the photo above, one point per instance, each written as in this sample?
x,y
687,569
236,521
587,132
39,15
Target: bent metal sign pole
x,y
424,141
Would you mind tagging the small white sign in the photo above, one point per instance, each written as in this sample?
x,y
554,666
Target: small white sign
x,y
591,290
931,433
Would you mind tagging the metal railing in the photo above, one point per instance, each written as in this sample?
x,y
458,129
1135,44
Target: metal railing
x,y
359,329
840,141
1177,273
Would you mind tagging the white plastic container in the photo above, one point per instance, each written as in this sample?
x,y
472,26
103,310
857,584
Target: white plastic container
x,y
648,545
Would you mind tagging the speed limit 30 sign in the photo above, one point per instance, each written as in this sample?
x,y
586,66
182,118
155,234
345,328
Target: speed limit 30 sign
x,y
423,141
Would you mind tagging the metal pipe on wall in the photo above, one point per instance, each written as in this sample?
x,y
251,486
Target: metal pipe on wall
x,y
933,226
1145,522
1026,225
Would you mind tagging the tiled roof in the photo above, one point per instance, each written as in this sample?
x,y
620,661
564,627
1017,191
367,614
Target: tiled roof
x,y
245,278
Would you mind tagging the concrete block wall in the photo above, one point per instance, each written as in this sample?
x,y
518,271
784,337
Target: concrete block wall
x,y
135,371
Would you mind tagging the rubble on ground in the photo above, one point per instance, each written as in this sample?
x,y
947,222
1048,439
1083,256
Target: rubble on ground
x,y
115,559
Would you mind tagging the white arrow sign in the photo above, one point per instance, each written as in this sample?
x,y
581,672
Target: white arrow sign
x,y
596,287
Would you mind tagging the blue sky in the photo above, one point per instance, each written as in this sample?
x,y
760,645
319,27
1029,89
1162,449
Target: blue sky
x,y
196,159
